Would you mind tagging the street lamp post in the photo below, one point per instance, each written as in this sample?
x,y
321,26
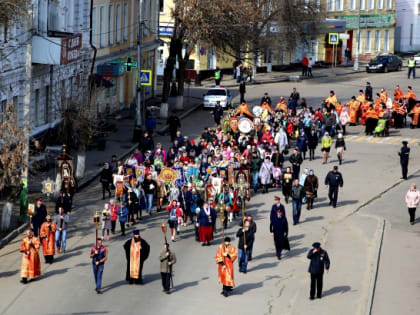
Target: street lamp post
x,y
356,60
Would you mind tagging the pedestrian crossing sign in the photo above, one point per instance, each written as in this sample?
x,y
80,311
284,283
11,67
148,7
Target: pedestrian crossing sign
x,y
145,77
333,38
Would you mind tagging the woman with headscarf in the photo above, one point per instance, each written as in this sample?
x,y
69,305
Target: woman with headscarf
x,y
340,146
325,147
344,119
311,189
302,143
312,144
412,199
266,171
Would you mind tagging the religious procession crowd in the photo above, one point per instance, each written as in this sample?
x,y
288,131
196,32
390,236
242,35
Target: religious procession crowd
x,y
213,178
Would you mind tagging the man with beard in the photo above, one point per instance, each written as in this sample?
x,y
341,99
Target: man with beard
x,y
31,265
136,251
279,229
225,257
47,236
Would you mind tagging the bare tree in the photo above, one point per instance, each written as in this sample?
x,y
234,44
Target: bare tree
x,y
11,11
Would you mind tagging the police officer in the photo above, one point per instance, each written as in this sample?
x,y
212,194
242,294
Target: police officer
x,y
411,64
334,180
218,113
98,254
319,261
404,157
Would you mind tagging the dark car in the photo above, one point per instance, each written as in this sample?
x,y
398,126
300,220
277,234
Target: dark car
x,y
384,64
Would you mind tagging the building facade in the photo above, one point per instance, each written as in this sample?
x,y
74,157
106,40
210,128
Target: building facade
x,y
115,26
407,32
53,44
377,28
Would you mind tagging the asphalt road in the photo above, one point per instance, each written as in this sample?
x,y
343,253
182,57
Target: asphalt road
x,y
270,286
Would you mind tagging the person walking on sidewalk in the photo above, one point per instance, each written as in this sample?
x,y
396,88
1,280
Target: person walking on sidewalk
x,y
411,64
174,124
310,65
326,143
242,91
123,217
297,193
311,189
105,178
305,62
167,260
404,158
340,146
334,180
412,199
98,254
319,262
296,160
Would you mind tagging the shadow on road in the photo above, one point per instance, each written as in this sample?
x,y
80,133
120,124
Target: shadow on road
x,y
113,285
243,288
339,289
54,272
296,237
8,273
309,219
263,266
296,252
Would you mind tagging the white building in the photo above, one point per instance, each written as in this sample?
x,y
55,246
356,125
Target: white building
x,y
59,37
407,37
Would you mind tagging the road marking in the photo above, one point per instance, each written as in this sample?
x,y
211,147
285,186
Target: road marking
x,y
376,139
384,140
360,138
369,139
350,138
394,140
413,141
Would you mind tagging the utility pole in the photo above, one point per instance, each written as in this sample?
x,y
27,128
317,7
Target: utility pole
x,y
139,43
356,60
27,110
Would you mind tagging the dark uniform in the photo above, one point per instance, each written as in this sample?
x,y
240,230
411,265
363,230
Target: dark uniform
x,y
334,180
319,261
218,113
404,157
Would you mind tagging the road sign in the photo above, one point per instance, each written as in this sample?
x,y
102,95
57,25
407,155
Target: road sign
x,y
146,77
129,64
333,38
344,36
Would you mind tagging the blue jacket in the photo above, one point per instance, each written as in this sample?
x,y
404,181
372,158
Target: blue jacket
x,y
203,219
123,214
302,143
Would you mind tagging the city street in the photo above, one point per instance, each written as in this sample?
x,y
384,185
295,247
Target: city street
x,y
350,233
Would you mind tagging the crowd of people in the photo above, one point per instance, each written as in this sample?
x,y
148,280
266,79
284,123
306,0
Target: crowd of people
x,y
202,181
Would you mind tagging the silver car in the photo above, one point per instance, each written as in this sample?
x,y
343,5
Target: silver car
x,y
216,94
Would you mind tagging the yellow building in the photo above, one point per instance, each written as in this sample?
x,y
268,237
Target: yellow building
x,y
204,56
115,25
377,28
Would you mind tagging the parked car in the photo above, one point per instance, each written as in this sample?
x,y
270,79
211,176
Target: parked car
x,y
215,94
384,63
417,59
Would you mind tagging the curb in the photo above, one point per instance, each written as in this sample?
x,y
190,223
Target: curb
x,y
9,237
375,271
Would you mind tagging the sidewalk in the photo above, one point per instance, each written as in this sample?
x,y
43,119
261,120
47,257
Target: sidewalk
x,y
290,75
118,143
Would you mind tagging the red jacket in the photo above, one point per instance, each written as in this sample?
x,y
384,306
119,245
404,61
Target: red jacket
x,y
305,61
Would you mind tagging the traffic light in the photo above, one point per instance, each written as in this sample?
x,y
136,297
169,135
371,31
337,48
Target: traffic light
x,y
128,64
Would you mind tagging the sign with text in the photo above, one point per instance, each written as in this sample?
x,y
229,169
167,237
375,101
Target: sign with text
x,y
71,49
370,21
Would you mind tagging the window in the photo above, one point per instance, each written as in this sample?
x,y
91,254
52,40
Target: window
x,y
118,26
338,5
102,35
389,4
111,25
330,5
161,5
125,36
3,105
352,5
368,41
94,27
362,4
377,41
380,5
386,41
371,4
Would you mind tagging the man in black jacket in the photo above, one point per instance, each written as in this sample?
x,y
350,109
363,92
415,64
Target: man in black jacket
x,y
244,239
242,91
297,193
218,113
296,160
266,99
319,261
368,92
334,180
174,124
